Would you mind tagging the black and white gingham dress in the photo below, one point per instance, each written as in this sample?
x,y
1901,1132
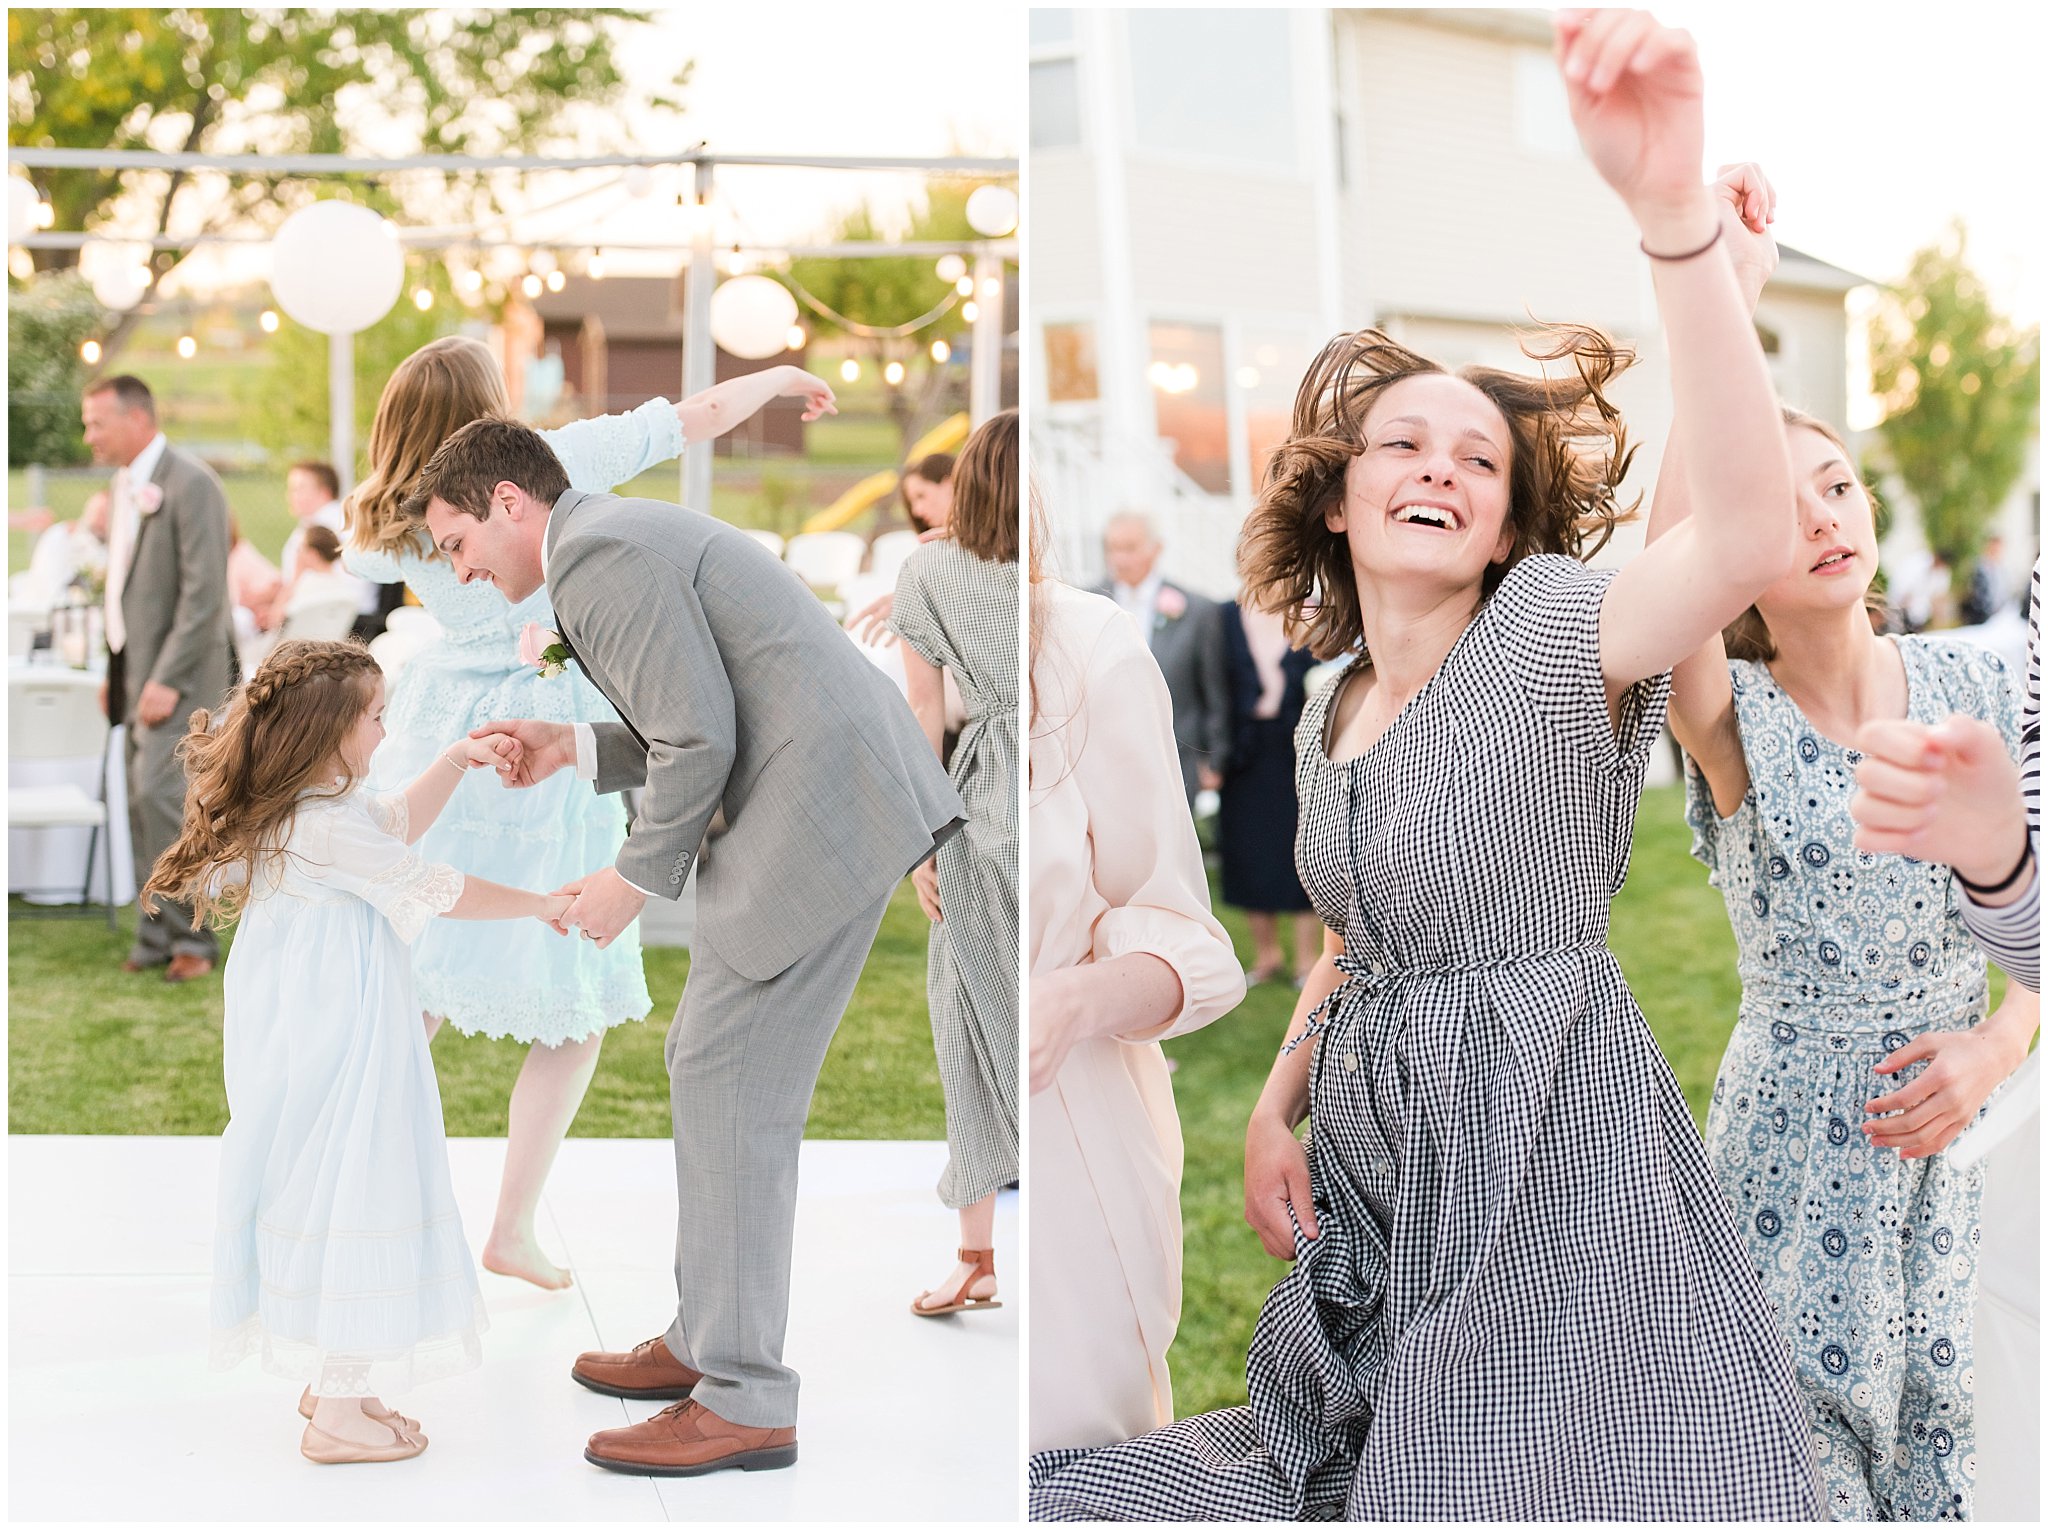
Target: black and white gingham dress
x,y
1526,1300
960,613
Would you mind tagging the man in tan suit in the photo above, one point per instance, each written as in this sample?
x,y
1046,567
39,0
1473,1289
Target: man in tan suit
x,y
169,640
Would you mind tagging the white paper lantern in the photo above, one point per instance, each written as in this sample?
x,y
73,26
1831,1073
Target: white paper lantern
x,y
21,209
751,316
992,210
118,273
336,267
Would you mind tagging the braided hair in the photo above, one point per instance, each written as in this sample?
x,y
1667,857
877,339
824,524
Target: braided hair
x,y
247,765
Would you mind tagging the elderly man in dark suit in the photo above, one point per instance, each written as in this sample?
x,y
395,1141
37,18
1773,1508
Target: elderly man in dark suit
x,y
738,697
1185,633
168,635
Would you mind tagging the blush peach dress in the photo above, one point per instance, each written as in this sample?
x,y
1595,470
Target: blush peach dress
x,y
1115,868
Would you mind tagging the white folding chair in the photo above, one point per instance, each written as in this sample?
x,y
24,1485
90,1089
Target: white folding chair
x,y
891,550
56,716
26,621
772,540
825,560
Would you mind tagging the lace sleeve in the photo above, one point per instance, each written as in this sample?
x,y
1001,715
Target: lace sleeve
x,y
603,453
348,848
390,812
378,567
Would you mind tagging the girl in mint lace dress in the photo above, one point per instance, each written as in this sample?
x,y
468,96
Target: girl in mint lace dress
x,y
559,996
1862,1046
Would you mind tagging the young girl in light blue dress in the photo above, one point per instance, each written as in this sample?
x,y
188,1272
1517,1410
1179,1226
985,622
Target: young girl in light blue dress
x,y
561,996
1862,1047
338,1253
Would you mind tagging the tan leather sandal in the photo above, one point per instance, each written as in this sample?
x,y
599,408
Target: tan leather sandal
x,y
324,1449
386,1416
984,1262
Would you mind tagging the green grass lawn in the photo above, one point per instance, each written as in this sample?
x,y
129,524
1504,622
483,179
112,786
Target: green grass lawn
x,y
93,1049
1670,933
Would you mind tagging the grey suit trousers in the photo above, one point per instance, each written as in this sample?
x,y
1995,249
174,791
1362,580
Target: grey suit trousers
x,y
156,812
743,1060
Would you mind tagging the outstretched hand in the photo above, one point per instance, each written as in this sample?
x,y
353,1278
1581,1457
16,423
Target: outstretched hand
x,y
1948,793
870,624
814,391
1748,205
528,750
1636,96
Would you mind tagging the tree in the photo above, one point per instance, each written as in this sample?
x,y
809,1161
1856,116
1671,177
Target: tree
x,y
45,375
888,291
297,81
1961,389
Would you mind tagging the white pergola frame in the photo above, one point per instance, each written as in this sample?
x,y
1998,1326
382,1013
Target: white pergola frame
x,y
699,349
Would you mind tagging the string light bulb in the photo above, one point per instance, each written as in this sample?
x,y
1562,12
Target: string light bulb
x,y
556,280
964,286
796,339
422,299
471,281
941,352
596,266
267,321
187,347
89,353
970,311
849,370
892,374
991,289
530,285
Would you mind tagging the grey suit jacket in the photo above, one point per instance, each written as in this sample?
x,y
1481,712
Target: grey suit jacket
x,y
739,692
175,602
1191,655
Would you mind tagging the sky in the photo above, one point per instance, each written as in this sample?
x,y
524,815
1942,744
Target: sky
x,y
1877,123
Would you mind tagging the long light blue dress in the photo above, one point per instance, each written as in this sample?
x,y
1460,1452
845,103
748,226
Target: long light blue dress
x,y
513,978
338,1254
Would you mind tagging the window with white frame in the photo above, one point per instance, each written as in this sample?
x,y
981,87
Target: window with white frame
x,y
1215,84
1189,401
1055,93
1070,367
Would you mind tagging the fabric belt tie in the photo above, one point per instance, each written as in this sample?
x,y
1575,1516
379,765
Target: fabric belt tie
x,y
1371,977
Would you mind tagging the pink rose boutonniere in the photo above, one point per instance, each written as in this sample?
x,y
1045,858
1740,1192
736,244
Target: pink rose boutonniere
x,y
543,647
1172,605
149,499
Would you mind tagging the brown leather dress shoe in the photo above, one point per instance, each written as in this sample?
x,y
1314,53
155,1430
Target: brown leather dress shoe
x,y
185,967
645,1371
687,1439
139,964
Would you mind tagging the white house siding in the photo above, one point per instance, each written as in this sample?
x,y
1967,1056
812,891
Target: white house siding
x,y
1210,240
1062,232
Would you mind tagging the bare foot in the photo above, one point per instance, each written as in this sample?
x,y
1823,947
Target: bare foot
x,y
949,1292
522,1258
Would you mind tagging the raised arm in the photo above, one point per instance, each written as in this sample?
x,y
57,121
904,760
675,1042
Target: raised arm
x,y
717,409
1635,94
1702,702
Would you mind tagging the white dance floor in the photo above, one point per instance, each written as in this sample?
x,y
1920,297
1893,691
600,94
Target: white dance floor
x,y
113,1414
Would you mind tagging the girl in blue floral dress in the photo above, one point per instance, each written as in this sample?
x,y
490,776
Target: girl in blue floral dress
x,y
1862,1046
560,996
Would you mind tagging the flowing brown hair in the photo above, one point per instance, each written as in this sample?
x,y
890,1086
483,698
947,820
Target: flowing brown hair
x,y
1568,452
985,491
1749,636
276,736
436,391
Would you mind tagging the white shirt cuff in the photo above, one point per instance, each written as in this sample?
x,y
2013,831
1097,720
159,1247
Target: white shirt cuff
x,y
643,892
586,751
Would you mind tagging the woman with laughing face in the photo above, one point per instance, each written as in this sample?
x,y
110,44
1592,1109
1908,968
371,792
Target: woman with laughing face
x,y
1515,1291
1862,1048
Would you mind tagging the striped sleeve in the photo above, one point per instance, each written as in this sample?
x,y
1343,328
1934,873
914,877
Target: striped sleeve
x,y
2011,936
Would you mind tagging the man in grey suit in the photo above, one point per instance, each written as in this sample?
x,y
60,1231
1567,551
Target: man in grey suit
x,y
740,696
169,637
1185,633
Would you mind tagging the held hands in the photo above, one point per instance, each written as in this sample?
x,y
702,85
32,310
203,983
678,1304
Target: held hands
x,y
1275,1179
601,904
814,391
1963,1068
156,704
552,907
1635,93
538,749
497,750
1949,793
